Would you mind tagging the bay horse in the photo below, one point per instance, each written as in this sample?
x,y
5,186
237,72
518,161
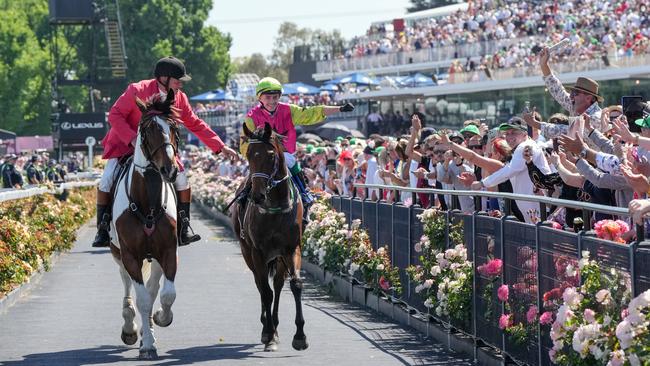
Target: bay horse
x,y
270,227
143,236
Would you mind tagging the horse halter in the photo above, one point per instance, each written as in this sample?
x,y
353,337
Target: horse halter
x,y
270,181
145,147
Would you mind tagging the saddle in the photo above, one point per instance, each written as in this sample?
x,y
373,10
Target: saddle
x,y
123,165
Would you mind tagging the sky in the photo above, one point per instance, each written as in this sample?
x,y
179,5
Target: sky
x,y
253,24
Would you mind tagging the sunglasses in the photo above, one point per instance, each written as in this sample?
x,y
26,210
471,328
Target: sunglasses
x,y
475,147
575,92
438,152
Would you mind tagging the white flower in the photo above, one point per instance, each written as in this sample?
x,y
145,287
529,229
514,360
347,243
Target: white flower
x,y
381,251
571,270
380,267
572,297
625,334
428,303
435,271
634,359
604,297
418,247
617,358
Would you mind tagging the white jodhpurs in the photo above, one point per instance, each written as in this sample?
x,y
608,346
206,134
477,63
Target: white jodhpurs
x,y
110,172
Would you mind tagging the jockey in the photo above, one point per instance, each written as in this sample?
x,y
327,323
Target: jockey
x,y
124,118
283,118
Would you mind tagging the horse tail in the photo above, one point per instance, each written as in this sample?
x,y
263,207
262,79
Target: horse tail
x,y
146,270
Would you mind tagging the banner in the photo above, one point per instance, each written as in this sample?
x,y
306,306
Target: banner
x,y
75,127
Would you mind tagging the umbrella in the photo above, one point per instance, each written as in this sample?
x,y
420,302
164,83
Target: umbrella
x,y
309,136
331,131
356,78
214,96
300,88
329,87
417,79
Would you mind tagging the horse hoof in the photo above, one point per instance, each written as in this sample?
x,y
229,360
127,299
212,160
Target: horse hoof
x,y
271,347
157,318
129,339
266,338
150,354
300,344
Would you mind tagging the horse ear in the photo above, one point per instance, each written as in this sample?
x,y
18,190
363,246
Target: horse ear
x,y
141,105
267,131
247,132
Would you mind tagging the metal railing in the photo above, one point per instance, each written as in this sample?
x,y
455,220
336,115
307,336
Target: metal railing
x,y
14,194
425,55
486,237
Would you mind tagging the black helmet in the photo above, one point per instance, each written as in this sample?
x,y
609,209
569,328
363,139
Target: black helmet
x,y
171,66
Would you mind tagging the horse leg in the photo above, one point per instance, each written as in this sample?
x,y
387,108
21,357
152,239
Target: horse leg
x,y
130,328
278,284
299,339
266,295
164,316
144,304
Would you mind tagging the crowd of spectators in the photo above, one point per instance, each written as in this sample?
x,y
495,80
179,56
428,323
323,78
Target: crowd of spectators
x,y
18,171
223,107
598,30
587,154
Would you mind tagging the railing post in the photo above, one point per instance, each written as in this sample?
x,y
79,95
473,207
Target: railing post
x,y
543,215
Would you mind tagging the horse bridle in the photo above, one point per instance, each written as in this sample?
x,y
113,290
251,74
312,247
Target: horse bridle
x,y
149,154
270,181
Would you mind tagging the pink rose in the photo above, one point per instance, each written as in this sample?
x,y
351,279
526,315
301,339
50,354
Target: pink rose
x,y
491,268
505,321
546,318
590,315
624,313
383,283
503,293
531,314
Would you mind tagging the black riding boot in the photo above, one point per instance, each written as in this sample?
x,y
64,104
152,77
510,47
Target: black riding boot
x,y
103,238
305,195
184,224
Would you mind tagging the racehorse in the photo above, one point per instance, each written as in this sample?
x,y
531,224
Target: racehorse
x,y
143,236
270,227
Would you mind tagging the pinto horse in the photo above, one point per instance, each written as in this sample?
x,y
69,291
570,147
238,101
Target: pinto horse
x,y
143,235
270,227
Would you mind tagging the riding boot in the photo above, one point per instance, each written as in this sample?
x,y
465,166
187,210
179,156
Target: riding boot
x,y
103,238
306,196
184,238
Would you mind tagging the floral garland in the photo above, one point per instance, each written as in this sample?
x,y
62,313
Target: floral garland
x,y
443,275
583,332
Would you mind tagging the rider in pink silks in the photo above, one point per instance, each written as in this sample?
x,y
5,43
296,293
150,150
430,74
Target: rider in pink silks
x,y
119,143
283,118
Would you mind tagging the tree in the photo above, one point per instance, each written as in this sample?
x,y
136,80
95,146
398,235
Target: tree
x,y
158,28
418,5
290,36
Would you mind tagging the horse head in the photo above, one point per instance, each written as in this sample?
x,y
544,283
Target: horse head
x,y
158,135
265,161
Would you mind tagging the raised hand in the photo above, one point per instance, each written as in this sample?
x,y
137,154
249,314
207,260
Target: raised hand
x,y
638,208
623,131
347,107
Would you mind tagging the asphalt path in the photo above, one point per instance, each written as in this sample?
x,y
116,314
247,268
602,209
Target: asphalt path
x,y
72,316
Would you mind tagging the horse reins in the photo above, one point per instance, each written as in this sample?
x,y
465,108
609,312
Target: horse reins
x,y
270,181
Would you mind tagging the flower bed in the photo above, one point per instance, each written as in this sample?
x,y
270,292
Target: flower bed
x,y
31,229
213,190
329,243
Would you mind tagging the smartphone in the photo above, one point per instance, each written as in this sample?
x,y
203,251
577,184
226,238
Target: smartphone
x,y
529,129
633,106
555,144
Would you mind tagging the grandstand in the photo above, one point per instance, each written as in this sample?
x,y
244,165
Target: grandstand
x,y
482,59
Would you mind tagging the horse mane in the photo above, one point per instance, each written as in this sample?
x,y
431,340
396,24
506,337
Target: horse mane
x,y
157,106
274,140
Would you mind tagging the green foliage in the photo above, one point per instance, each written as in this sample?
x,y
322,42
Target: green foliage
x,y
31,229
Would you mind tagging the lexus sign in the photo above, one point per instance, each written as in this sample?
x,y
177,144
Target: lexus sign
x,y
76,127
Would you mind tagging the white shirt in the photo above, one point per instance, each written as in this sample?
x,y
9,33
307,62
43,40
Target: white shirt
x,y
517,172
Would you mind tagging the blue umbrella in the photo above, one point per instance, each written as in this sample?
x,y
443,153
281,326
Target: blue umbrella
x,y
214,96
300,88
417,79
329,87
356,78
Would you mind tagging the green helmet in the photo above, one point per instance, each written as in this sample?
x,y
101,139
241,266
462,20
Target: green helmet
x,y
268,85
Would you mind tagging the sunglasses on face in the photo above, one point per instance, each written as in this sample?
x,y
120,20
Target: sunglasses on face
x,y
575,92
438,152
475,147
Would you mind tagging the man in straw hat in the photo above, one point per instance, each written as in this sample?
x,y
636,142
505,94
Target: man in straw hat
x,y
581,99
